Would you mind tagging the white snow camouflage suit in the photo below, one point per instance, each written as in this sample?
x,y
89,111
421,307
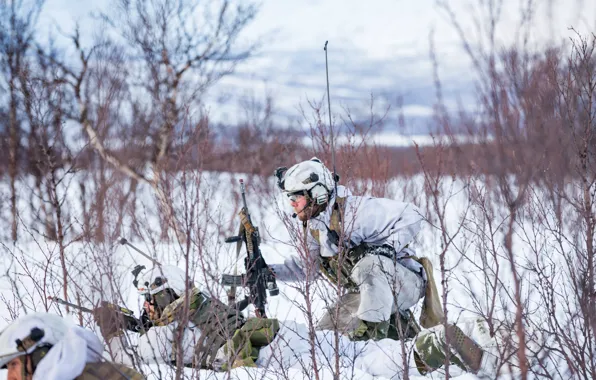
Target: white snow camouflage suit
x,y
385,285
379,270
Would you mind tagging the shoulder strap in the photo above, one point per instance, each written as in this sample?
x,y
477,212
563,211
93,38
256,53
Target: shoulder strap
x,y
315,234
336,214
336,217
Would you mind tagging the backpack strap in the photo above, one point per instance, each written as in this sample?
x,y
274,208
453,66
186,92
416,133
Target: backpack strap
x,y
336,214
335,223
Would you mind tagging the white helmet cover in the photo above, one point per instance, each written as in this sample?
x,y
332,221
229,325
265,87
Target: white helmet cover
x,y
311,176
163,277
54,328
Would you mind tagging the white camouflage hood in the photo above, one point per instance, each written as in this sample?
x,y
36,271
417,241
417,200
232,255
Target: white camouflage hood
x,y
72,345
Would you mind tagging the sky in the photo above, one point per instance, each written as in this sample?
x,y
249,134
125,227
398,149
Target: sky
x,y
378,48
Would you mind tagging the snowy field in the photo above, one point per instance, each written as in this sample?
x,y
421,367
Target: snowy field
x,y
32,269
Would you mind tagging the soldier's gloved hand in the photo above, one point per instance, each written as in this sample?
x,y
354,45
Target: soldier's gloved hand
x,y
145,321
133,324
270,273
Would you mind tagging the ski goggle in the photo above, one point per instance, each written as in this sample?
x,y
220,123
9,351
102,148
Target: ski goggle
x,y
295,196
156,286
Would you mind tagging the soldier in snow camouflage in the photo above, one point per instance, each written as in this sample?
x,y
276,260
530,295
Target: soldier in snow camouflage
x,y
364,246
43,345
203,332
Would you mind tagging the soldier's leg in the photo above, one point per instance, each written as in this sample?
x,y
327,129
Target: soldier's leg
x,y
367,315
244,346
342,314
387,286
408,289
376,300
373,278
403,325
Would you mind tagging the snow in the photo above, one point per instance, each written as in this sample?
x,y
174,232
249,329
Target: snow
x,y
32,271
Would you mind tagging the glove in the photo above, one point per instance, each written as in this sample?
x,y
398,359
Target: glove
x,y
133,324
107,320
145,322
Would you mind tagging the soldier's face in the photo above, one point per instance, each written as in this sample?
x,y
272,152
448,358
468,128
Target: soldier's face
x,y
15,369
298,203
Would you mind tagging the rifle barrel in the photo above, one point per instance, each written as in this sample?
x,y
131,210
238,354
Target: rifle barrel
x,y
61,301
243,192
123,241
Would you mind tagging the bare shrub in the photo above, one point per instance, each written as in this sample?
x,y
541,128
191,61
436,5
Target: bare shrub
x,y
530,205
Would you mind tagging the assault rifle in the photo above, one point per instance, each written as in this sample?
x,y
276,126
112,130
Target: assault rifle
x,y
258,277
131,323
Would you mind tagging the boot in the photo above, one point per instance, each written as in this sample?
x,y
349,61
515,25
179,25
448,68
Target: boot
x,y
370,330
402,326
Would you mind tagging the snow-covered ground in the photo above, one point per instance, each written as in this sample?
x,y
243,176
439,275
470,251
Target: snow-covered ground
x,y
32,270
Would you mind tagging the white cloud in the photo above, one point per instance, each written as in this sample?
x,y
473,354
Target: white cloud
x,y
380,46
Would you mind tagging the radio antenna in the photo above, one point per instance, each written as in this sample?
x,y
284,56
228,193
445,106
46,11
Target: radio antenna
x,y
335,176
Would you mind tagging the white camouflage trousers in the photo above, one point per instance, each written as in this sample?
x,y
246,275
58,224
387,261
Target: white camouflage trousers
x,y
384,287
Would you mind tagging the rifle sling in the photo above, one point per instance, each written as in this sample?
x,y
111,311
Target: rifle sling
x,y
232,291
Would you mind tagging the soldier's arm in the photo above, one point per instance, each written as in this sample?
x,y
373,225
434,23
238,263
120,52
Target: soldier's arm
x,y
289,271
300,267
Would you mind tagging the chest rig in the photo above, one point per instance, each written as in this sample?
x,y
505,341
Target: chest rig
x,y
338,268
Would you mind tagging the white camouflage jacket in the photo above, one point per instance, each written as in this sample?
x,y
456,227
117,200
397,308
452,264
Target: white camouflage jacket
x,y
376,221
